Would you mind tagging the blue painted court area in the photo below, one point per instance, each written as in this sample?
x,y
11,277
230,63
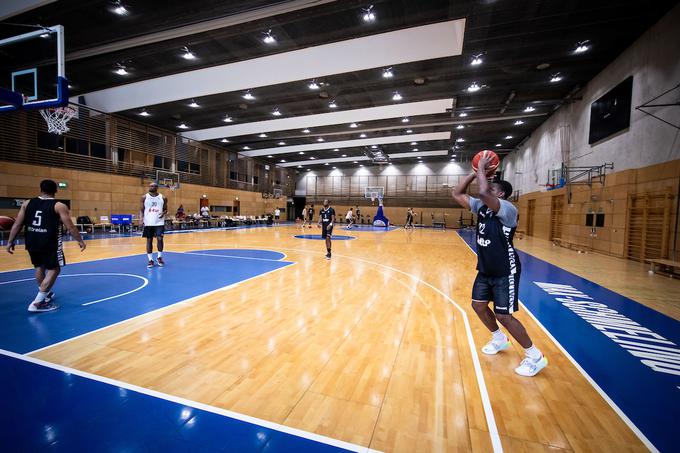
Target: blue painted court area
x,y
317,237
46,409
99,293
628,349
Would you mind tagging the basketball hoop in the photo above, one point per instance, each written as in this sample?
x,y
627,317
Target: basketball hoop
x,y
57,117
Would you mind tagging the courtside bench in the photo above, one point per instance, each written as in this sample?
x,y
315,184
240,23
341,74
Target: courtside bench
x,y
664,267
571,245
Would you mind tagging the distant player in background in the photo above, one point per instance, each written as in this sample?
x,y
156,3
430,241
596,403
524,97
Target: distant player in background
x,y
358,214
310,214
498,266
44,217
326,221
277,215
153,209
409,218
304,216
350,218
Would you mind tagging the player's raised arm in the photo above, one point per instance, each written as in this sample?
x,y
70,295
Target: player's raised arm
x,y
65,216
18,224
488,198
459,192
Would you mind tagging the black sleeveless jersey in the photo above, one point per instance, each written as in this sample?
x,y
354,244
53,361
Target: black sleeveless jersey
x,y
496,254
42,225
326,215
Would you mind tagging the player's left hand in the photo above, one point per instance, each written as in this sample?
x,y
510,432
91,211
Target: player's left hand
x,y
483,164
10,248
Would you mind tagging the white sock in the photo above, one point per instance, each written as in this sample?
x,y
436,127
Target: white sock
x,y
160,254
150,256
499,337
533,353
40,297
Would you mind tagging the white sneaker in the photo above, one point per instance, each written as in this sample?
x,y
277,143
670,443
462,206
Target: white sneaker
x,y
529,367
42,306
493,347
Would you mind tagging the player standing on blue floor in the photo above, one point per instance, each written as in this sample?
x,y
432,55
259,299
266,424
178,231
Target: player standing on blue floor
x,y
498,266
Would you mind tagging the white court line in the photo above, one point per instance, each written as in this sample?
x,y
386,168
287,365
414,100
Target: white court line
x,y
231,256
585,374
145,280
205,407
183,302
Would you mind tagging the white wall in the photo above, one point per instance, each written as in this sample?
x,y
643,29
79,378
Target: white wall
x,y
654,62
423,169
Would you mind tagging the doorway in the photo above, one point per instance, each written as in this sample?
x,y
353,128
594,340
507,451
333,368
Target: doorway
x,y
530,217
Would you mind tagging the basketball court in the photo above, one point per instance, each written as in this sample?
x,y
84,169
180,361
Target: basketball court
x,y
249,335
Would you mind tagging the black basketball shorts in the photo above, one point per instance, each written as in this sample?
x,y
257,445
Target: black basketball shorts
x,y
49,259
153,231
326,231
503,291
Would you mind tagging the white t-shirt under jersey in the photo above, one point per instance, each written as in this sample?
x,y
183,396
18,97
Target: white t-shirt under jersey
x,y
153,210
349,215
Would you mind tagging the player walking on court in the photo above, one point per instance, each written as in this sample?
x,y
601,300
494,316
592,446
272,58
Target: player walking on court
x,y
304,216
310,214
350,218
43,218
409,218
498,267
277,215
326,221
153,209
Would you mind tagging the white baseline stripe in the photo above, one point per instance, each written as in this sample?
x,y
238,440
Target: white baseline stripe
x,y
592,382
194,404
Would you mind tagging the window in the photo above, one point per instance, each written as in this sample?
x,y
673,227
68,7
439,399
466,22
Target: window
x,y
183,166
76,146
98,150
161,162
50,141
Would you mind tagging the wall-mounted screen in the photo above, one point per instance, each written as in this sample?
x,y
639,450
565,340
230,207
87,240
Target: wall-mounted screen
x,y
611,113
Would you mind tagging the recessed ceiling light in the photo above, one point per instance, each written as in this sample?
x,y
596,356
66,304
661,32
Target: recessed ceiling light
x,y
387,73
299,166
332,105
326,163
246,148
414,143
476,60
353,125
45,35
508,137
415,150
473,87
542,66
305,131
283,160
453,155
419,157
408,131
389,163
120,69
519,122
194,104
276,112
460,139
556,78
583,46
313,85
361,165
312,158
405,120
336,149
362,135
374,146
355,162
268,37
224,140
396,96
183,126
119,9
498,145
368,15
281,143
270,156
263,135
248,96
335,168
529,109
463,115
144,113
228,119
460,126
309,169
188,55
320,139
301,153
344,155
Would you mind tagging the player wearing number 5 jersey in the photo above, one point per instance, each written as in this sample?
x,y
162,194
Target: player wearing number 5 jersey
x,y
43,218
153,209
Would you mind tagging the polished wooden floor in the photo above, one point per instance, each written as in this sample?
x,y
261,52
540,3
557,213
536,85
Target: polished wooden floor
x,y
368,348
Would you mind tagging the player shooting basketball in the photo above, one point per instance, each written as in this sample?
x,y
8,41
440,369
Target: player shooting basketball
x,y
498,263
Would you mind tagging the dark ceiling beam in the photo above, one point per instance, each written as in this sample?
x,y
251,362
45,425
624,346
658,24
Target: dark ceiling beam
x,y
199,27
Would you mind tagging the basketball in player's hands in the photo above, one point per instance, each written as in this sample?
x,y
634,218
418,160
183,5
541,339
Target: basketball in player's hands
x,y
493,161
6,223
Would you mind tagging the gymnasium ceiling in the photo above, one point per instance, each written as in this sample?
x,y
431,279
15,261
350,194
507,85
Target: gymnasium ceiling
x,y
428,45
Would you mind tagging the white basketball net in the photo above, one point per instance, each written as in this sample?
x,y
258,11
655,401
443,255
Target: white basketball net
x,y
56,119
